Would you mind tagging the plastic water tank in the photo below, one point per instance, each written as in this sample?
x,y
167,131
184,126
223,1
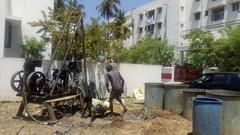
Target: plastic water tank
x,y
207,116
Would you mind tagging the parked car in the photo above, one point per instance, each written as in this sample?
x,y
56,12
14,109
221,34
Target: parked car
x,y
220,80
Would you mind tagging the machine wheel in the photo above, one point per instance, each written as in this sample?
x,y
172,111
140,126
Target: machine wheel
x,y
17,81
35,83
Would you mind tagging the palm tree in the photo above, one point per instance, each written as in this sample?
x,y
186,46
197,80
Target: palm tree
x,y
107,8
59,4
120,27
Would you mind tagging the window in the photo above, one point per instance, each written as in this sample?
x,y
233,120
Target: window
x,y
182,8
206,13
159,25
141,16
8,35
151,14
197,16
140,30
218,14
181,25
206,78
235,6
228,78
150,29
159,10
219,78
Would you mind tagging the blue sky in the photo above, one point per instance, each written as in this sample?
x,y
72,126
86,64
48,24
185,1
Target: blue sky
x,y
90,6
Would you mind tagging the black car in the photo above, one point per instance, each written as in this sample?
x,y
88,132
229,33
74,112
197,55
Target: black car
x,y
221,80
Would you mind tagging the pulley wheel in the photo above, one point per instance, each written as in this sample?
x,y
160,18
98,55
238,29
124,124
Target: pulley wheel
x,y
17,81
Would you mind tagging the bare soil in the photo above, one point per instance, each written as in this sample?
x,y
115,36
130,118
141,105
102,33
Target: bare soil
x,y
157,122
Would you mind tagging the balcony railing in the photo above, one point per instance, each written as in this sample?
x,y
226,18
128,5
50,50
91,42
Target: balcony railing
x,y
150,20
215,3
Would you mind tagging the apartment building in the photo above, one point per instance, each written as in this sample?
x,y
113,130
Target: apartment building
x,y
212,15
159,19
14,18
173,19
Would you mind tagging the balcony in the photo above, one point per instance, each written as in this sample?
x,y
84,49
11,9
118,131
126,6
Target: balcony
x,y
196,6
150,17
215,3
149,30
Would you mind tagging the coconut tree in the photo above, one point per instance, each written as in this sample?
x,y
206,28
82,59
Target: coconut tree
x,y
107,8
59,4
119,27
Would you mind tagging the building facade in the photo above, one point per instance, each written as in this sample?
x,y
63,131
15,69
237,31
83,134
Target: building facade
x,y
15,16
212,15
173,19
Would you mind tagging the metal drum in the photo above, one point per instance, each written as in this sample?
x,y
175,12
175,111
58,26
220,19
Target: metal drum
x,y
154,93
230,110
207,116
188,95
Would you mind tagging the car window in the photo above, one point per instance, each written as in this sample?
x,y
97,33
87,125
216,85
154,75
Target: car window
x,y
206,78
228,78
219,78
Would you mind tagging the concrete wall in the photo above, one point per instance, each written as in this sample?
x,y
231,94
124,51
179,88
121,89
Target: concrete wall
x,y
135,75
8,66
173,21
2,26
19,13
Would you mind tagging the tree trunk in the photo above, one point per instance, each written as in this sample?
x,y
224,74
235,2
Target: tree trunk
x,y
108,29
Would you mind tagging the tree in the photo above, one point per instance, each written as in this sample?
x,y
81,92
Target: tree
x,y
229,51
32,48
201,52
107,8
59,5
119,28
226,30
52,25
149,51
97,45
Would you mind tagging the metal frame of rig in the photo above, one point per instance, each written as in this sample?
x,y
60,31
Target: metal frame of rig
x,y
46,98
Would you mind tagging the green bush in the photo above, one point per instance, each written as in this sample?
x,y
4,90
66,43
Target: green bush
x,y
149,51
32,48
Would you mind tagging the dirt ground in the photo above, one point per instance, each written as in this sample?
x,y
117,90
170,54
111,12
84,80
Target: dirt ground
x,y
157,122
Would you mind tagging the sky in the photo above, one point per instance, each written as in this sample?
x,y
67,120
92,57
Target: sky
x,y
90,6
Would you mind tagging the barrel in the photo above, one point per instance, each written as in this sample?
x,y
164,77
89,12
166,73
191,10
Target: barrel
x,y
154,93
188,95
230,110
173,98
207,116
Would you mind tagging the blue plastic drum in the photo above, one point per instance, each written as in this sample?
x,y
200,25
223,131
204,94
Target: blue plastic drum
x,y
207,116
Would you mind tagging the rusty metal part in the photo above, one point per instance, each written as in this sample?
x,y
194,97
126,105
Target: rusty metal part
x,y
17,81
35,83
44,99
